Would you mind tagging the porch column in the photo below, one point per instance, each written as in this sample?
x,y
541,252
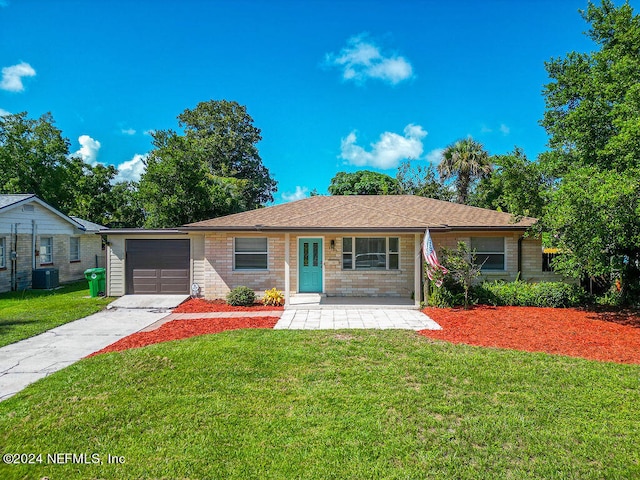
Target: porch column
x,y
287,280
417,271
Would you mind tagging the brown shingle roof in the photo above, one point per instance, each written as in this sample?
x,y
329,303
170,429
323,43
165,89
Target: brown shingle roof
x,y
366,212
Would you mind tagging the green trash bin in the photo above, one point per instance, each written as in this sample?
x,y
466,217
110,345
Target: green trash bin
x,y
97,281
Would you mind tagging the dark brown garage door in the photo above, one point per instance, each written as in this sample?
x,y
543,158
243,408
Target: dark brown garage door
x,y
157,266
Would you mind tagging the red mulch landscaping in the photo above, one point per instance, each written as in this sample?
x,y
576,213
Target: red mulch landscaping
x,y
198,305
178,329
612,337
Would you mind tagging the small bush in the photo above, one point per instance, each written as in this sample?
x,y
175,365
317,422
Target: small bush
x,y
241,297
524,294
273,297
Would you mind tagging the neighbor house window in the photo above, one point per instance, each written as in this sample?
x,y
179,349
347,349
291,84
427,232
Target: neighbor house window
x,y
3,258
250,253
370,253
46,250
548,255
74,249
489,252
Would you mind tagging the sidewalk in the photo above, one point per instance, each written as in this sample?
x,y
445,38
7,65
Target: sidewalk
x,y
24,362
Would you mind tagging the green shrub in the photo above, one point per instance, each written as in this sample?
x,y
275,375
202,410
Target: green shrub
x,y
241,297
524,294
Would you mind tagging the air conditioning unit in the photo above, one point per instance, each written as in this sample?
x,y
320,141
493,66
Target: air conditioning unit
x,y
45,278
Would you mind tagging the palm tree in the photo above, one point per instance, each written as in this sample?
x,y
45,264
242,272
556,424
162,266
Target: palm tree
x,y
465,160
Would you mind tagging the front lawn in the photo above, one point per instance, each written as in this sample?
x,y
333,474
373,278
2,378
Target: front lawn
x,y
31,312
327,404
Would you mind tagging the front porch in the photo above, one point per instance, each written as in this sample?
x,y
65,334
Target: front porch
x,y
317,301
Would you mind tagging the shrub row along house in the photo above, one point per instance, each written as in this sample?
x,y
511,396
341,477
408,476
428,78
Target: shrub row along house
x,y
332,245
35,236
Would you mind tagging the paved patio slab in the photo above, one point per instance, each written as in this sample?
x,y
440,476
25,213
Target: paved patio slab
x,y
336,318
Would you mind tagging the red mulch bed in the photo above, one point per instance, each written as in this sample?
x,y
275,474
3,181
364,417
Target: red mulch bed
x,y
178,329
603,336
198,305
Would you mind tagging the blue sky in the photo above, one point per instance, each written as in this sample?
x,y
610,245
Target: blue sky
x,y
333,85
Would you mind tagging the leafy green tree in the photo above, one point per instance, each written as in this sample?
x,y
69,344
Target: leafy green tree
x,y
516,185
213,169
593,119
422,181
102,200
465,161
363,182
34,158
593,100
595,218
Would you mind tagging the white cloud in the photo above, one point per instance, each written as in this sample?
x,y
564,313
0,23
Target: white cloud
x,y
504,129
362,59
131,170
4,113
149,132
12,77
388,151
128,131
435,155
299,194
88,149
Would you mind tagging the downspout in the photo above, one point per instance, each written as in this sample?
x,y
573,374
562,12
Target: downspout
x,y
33,244
14,257
519,258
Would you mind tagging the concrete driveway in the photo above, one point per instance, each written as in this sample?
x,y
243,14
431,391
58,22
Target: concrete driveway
x,y
24,362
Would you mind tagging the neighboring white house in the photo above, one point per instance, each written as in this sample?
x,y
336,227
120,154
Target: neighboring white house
x,y
34,235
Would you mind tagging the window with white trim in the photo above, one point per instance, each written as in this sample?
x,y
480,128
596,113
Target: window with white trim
x,y
74,249
46,250
250,253
490,253
370,253
3,257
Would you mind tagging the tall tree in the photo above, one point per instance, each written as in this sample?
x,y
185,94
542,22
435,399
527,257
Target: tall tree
x,y
212,169
593,120
465,161
422,181
516,185
363,182
34,158
592,102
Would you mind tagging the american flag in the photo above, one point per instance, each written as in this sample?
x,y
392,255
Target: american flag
x,y
431,258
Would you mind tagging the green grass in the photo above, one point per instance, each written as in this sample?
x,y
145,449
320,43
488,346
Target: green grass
x,y
257,404
31,312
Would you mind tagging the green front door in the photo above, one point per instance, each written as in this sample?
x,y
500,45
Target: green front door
x,y
310,265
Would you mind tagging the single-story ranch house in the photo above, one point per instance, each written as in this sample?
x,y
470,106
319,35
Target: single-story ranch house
x,y
332,245
34,235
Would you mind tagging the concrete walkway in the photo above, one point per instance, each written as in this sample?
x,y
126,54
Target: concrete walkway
x,y
338,318
312,311
24,362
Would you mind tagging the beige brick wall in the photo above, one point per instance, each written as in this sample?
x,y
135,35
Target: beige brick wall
x,y
90,246
372,283
531,262
220,277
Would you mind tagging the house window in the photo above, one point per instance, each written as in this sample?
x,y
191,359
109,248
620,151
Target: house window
x,y
74,249
489,252
370,253
548,254
46,250
250,253
3,258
